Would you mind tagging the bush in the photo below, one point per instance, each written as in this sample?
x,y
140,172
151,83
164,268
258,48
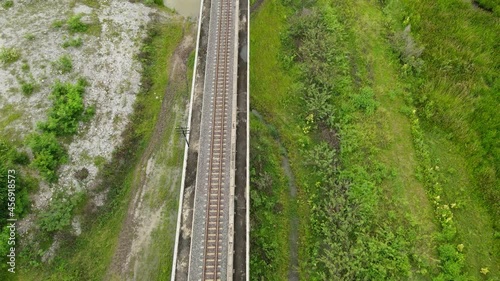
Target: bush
x,y
76,25
9,55
10,159
7,4
365,100
58,215
64,64
67,109
48,154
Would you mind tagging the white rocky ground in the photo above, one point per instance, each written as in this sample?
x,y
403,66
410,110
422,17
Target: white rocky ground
x,y
106,60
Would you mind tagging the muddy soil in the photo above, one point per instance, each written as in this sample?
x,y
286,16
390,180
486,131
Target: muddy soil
x,y
186,8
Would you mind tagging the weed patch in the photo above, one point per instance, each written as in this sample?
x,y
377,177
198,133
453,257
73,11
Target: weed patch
x,y
64,64
9,55
73,42
75,24
28,88
7,4
67,109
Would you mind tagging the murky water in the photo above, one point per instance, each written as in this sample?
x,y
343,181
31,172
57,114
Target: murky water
x,y
187,8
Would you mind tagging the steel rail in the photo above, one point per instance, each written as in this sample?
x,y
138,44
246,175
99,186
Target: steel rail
x,y
223,93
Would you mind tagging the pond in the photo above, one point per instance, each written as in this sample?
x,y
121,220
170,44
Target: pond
x,y
186,8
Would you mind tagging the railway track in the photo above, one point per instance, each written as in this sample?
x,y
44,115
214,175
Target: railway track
x,y
211,269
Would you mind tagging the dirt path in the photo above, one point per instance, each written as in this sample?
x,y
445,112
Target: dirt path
x,y
177,78
293,271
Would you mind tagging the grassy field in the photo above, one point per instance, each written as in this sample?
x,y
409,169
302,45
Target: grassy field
x,y
385,140
270,202
88,256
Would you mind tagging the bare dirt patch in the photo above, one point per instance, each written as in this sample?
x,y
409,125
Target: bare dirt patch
x,y
106,59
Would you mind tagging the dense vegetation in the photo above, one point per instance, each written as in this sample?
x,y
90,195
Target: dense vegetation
x,y
387,113
13,160
63,120
269,249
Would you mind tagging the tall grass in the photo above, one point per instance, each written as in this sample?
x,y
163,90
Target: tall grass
x,y
439,65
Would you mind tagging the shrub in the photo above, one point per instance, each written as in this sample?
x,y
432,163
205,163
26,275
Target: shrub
x,y
9,55
76,25
7,4
365,100
60,211
64,116
48,154
10,159
64,64
67,108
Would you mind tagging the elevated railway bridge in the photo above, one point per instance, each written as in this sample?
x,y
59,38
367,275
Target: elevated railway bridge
x,y
212,239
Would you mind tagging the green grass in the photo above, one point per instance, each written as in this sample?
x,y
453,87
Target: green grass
x,y
474,222
64,64
155,260
74,24
151,2
9,114
28,88
269,85
7,4
456,96
9,55
29,36
80,258
73,42
268,80
57,23
387,158
270,206
403,195
155,84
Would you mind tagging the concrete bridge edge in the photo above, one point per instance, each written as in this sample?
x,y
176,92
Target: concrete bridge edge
x,y
186,149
